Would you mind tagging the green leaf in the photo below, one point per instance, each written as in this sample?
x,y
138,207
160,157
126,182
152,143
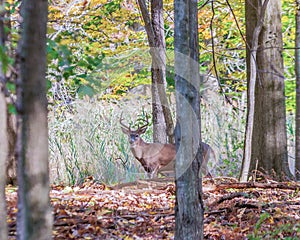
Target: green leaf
x,y
11,108
3,59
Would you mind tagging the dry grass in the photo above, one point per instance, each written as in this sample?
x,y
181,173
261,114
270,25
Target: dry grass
x,y
86,140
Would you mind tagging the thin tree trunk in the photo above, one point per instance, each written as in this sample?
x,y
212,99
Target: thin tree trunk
x,y
189,204
11,166
3,157
297,68
252,76
3,133
11,172
163,126
34,219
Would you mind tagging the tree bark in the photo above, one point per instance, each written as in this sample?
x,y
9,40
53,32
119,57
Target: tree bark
x,y
269,140
158,71
297,69
163,126
34,219
11,166
189,205
11,172
252,47
3,133
3,157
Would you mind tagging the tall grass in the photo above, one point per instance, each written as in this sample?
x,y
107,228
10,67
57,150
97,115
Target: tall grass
x,y
223,129
87,141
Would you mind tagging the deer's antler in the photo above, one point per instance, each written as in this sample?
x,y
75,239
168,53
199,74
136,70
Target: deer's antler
x,y
122,124
144,127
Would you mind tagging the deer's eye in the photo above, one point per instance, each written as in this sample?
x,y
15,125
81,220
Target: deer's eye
x,y
136,136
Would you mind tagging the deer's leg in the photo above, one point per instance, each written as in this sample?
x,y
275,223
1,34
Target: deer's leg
x,y
208,154
154,172
205,158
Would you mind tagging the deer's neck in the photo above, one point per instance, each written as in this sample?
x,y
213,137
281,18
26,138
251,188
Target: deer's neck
x,y
138,149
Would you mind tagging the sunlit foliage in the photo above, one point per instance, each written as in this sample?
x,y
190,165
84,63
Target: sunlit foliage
x,y
100,46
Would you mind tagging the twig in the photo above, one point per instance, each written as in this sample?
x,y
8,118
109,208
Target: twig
x,y
243,185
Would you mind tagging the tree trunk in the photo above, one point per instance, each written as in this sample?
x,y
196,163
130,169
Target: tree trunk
x,y
189,205
34,219
297,68
253,25
269,140
162,118
11,172
11,166
3,157
3,133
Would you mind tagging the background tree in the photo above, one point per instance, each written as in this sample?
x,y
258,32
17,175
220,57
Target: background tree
x,y
162,118
269,140
3,129
189,205
297,68
7,59
252,76
34,212
3,157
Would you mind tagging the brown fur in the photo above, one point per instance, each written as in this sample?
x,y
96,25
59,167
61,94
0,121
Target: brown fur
x,y
157,157
208,153
160,158
153,156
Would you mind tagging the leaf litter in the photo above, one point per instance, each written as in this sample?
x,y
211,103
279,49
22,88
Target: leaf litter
x,y
145,210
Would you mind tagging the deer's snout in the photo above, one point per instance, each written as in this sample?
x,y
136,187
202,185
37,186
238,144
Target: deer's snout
x,y
132,138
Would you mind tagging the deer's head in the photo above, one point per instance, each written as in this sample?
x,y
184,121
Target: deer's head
x,y
134,135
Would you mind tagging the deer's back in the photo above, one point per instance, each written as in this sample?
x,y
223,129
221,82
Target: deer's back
x,y
155,153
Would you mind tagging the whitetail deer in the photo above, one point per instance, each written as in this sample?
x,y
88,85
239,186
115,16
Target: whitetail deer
x,y
157,157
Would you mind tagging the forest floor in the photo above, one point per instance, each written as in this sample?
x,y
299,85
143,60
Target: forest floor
x,y
145,210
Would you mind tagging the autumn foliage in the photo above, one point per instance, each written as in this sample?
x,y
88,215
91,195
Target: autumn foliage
x,y
145,210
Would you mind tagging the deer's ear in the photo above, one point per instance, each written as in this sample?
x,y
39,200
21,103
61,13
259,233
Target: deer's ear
x,y
125,130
